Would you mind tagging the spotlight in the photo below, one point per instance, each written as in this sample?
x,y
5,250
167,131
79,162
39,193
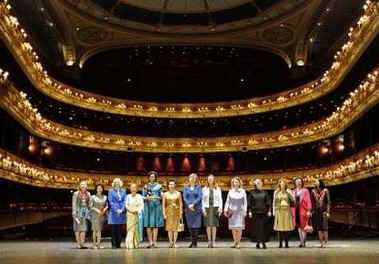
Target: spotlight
x,y
300,62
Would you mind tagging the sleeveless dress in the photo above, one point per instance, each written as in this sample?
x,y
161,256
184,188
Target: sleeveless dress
x,y
173,209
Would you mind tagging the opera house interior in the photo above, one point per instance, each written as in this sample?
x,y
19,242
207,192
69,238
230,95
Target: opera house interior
x,y
97,91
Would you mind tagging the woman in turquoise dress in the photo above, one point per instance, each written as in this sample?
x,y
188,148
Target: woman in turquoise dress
x,y
152,213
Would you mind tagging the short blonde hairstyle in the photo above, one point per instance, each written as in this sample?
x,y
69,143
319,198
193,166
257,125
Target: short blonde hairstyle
x,y
238,179
117,180
83,182
196,176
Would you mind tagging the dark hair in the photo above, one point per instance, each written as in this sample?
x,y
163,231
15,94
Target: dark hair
x,y
99,184
321,185
154,173
171,180
302,181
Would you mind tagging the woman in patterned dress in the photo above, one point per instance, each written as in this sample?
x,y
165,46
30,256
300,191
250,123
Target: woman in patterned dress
x,y
152,213
99,207
282,202
320,197
134,207
212,209
172,212
80,213
236,210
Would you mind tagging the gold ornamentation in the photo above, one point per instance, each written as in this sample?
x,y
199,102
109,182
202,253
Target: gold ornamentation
x,y
358,37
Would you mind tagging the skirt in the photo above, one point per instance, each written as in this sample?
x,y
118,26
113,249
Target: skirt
x,y
212,220
283,220
259,233
81,226
153,215
132,237
97,222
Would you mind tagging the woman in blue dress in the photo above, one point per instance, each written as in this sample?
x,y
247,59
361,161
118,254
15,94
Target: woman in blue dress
x,y
152,213
116,216
192,196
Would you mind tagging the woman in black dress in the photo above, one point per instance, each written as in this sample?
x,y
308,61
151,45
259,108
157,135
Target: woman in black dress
x,y
259,204
321,210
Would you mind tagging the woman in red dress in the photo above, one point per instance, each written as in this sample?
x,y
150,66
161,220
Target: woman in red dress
x,y
302,210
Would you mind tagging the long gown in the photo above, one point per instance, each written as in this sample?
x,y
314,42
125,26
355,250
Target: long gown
x,y
133,203
259,204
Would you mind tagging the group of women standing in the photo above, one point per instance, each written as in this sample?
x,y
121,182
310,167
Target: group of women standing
x,y
201,205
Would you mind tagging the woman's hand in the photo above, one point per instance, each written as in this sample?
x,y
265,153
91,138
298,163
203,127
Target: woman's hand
x,y
250,215
205,213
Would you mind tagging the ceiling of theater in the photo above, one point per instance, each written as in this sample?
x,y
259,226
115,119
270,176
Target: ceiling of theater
x,y
80,39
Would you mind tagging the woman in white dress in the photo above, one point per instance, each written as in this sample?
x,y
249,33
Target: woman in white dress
x,y
236,210
134,207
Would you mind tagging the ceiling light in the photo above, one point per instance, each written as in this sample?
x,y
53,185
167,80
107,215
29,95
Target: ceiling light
x,y
300,62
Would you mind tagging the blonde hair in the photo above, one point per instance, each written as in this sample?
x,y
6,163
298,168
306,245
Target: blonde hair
x,y
194,175
285,182
238,179
117,180
83,182
214,182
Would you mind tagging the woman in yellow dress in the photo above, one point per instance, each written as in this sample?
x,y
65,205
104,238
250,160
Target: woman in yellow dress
x,y
172,212
134,207
282,202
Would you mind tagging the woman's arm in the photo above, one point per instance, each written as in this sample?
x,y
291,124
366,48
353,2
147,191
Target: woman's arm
x,y
244,202
180,205
204,198
220,200
164,206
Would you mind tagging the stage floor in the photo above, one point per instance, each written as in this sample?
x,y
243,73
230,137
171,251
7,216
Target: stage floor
x,y
338,252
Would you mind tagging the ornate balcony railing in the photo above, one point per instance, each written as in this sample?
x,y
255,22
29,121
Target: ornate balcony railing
x,y
358,38
357,103
361,165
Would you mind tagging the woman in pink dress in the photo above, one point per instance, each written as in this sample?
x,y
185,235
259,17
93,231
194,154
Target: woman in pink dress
x,y
302,210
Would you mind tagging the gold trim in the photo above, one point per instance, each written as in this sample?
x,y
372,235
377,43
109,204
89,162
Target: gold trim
x,y
358,102
359,38
362,165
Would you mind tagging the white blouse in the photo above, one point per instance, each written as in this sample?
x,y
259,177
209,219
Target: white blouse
x,y
217,198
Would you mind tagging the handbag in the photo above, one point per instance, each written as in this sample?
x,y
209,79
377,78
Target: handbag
x,y
308,227
181,225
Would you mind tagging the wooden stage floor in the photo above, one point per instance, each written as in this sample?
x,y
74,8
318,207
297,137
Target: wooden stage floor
x,y
51,252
